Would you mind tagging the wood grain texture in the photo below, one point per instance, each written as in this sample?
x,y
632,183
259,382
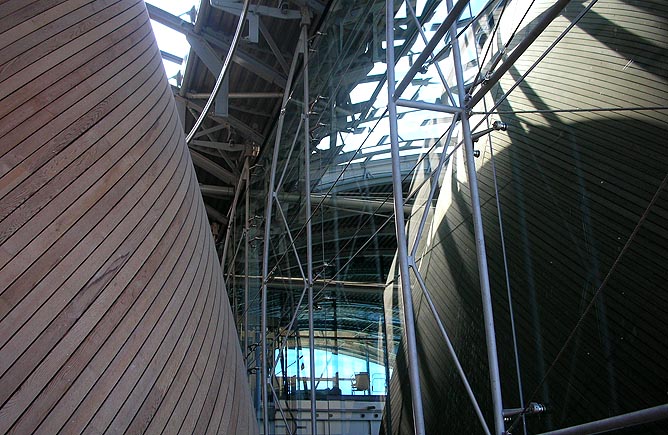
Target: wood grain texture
x,y
113,312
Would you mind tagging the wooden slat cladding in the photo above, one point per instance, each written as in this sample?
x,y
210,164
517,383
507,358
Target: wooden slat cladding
x,y
113,312
573,187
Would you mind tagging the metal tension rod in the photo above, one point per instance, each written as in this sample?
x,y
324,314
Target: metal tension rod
x,y
452,17
309,235
402,246
223,72
267,235
247,219
550,14
231,215
485,290
648,415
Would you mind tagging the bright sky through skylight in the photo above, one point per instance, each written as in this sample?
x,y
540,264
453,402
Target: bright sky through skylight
x,y
169,40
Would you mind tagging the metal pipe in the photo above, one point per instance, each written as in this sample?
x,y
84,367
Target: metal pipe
x,y
547,51
247,218
357,204
308,214
288,158
432,190
429,106
223,72
490,334
440,33
418,26
614,423
292,241
402,247
265,253
230,219
216,191
235,95
549,16
451,349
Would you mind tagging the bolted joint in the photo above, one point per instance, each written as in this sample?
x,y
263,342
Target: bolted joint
x,y
500,126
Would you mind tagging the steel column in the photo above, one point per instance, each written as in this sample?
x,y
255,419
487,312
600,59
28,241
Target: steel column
x,y
402,247
246,248
490,333
308,214
265,251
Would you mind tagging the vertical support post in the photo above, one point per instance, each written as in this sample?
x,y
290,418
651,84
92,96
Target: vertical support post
x,y
265,250
246,247
490,334
265,279
230,220
402,246
309,235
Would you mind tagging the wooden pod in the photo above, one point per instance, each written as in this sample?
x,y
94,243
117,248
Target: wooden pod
x,y
585,207
113,311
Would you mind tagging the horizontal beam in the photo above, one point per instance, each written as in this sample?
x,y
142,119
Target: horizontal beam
x,y
362,205
230,120
236,95
283,13
298,283
422,105
171,57
241,58
215,215
216,191
213,168
223,146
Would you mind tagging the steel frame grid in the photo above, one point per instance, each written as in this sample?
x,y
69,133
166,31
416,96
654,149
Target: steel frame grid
x,y
461,112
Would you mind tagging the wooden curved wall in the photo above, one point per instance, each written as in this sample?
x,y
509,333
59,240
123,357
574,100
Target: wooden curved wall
x,y
113,313
573,189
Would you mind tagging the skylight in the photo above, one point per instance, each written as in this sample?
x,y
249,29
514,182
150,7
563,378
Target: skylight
x,y
170,41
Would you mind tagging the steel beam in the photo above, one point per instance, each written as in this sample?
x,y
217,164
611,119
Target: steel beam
x,y
267,11
222,146
230,217
224,74
247,219
440,33
213,168
549,16
215,214
422,105
232,121
485,289
266,34
216,191
402,246
267,238
236,95
309,214
206,53
171,57
218,39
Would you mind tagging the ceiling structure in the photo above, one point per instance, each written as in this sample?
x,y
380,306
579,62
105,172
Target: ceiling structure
x,y
246,108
